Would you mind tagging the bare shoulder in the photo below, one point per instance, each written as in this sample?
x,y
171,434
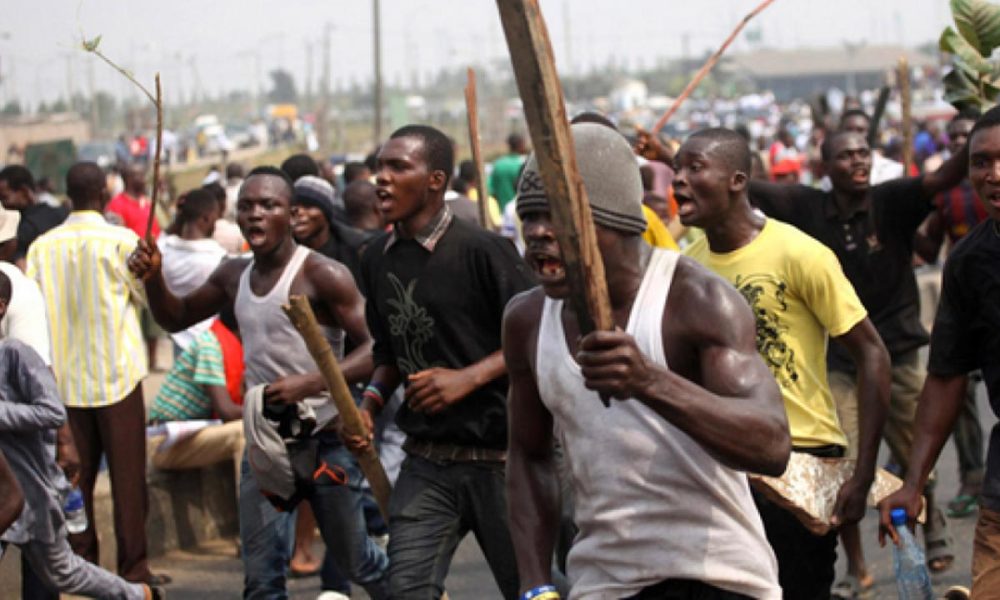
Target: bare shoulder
x,y
325,273
227,274
525,309
705,306
520,325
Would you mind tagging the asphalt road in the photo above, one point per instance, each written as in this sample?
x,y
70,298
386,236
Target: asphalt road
x,y
214,572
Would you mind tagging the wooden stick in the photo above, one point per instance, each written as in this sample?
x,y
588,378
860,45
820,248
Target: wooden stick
x,y
705,68
545,111
156,161
472,112
302,317
883,99
903,72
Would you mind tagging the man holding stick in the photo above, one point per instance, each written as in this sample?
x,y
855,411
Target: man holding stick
x,y
662,505
275,355
436,289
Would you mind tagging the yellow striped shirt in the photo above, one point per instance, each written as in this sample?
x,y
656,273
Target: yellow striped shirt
x,y
93,303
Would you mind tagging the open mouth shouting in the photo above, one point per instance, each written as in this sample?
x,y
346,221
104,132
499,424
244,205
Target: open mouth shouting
x,y
860,175
685,205
255,235
548,268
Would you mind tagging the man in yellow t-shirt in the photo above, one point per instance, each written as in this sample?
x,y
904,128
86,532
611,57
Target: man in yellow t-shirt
x,y
799,295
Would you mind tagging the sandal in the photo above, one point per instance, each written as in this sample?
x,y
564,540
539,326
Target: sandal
x,y
962,505
938,543
850,588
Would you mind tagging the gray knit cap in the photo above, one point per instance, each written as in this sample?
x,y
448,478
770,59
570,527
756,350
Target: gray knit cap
x,y
315,191
610,175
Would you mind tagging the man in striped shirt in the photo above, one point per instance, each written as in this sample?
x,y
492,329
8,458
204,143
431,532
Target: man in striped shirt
x,y
99,359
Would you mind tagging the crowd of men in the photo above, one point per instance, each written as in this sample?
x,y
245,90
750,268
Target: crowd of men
x,y
602,465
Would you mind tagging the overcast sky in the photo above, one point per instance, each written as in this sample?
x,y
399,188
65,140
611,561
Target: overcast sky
x,y
217,43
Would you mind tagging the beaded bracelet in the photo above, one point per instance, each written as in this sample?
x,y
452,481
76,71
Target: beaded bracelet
x,y
542,592
375,394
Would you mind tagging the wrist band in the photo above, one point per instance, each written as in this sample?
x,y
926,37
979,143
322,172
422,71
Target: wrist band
x,y
375,394
542,592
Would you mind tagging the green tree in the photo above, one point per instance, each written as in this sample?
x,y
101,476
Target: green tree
x,y
283,90
11,109
974,79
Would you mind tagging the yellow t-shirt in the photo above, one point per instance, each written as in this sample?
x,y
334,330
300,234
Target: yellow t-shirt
x,y
798,293
657,235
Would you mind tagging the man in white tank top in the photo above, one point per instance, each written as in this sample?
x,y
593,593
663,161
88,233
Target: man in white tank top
x,y
275,355
662,501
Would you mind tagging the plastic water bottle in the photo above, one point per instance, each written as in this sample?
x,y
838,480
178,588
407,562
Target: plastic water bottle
x,y
913,582
76,516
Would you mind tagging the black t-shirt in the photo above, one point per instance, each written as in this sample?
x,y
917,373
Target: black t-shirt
x,y
444,309
36,220
966,333
874,246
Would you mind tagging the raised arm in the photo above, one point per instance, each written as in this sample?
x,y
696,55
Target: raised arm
x,y
735,392
532,488
949,174
174,313
872,362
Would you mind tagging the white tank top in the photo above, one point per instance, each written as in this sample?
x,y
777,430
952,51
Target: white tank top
x,y
272,347
651,503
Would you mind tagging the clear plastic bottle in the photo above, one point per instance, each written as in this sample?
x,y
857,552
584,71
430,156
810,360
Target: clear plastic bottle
x,y
73,509
913,582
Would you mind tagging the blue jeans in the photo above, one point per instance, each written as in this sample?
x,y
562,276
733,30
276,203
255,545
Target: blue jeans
x,y
432,508
336,502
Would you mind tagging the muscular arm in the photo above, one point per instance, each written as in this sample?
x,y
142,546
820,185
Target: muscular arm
x,y
532,489
340,298
937,410
172,312
940,403
735,392
872,362
11,496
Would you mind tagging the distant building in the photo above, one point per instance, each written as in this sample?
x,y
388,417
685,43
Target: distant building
x,y
805,72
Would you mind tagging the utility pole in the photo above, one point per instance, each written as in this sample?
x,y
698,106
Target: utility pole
x,y
377,42
91,88
322,129
309,74
69,81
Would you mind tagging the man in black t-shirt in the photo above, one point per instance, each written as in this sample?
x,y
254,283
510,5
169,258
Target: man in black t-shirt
x,y
871,229
966,336
17,192
436,288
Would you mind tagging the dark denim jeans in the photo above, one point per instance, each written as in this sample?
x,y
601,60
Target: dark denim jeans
x,y
336,502
432,508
